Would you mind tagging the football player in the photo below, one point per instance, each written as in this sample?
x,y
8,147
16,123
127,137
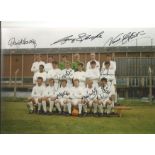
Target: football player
x,y
76,94
92,58
90,97
93,73
104,98
68,74
61,102
49,97
36,96
80,75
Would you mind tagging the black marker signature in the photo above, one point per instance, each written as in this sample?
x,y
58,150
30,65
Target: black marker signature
x,y
123,38
81,37
23,41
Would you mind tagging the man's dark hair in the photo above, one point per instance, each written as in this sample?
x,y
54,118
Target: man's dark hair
x,y
93,62
40,78
80,64
104,79
107,63
41,66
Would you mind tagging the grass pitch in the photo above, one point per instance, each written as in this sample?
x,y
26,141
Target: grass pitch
x,y
15,119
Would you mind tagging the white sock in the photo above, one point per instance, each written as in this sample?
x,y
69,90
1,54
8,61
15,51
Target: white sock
x,y
69,106
109,107
58,107
39,106
100,107
80,108
44,106
85,107
51,106
95,107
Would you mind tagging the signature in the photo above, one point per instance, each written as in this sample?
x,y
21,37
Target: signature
x,y
123,38
23,41
120,39
80,38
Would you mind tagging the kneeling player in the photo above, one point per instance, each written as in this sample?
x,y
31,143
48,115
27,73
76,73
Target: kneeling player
x,y
76,96
36,96
61,102
104,98
90,98
49,97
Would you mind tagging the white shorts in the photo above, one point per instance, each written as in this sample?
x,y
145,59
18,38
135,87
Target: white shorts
x,y
75,102
62,100
104,101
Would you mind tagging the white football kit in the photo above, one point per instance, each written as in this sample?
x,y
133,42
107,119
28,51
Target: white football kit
x,y
76,94
62,101
68,75
93,74
81,76
104,94
89,66
37,93
35,66
89,96
48,67
112,65
40,74
49,93
56,75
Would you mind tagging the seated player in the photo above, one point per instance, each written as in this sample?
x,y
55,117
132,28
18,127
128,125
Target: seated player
x,y
55,73
93,73
49,97
90,97
40,73
36,96
104,98
80,75
61,102
109,74
68,74
76,96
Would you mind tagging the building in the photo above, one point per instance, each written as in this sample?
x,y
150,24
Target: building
x,y
132,73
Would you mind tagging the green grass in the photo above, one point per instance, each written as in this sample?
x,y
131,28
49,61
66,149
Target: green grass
x,y
15,119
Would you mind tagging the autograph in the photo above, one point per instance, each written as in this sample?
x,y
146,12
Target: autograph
x,y
119,39
81,37
123,38
23,41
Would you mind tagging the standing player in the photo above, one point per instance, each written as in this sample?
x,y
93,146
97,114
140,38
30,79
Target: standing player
x,y
55,73
90,97
80,75
61,102
49,97
68,74
40,73
76,62
63,62
93,73
36,64
76,94
36,96
112,63
92,58
48,65
104,98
